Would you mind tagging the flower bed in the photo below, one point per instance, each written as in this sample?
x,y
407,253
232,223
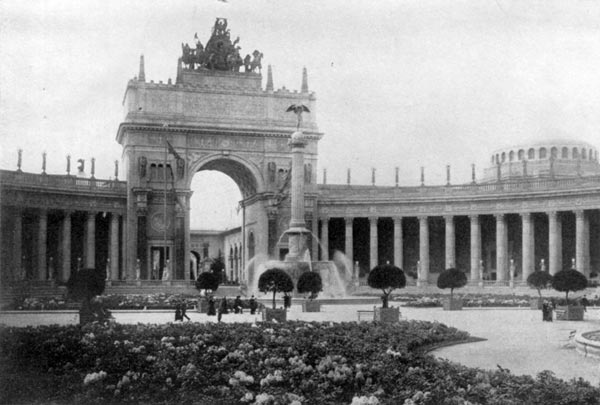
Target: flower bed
x,y
468,300
115,301
291,363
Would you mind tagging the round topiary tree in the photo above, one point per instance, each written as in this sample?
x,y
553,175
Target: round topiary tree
x,y
207,281
275,280
451,278
386,277
83,286
310,282
538,280
569,280
218,267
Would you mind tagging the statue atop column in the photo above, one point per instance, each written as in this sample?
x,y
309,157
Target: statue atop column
x,y
298,109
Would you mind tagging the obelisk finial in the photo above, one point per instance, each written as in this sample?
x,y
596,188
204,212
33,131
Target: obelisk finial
x,y
142,73
304,88
269,78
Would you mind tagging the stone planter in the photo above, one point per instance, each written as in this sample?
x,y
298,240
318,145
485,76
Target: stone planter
x,y
569,313
454,304
270,314
387,315
202,306
536,303
311,306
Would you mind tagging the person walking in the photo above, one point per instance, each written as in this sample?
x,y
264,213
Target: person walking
x,y
183,312
178,316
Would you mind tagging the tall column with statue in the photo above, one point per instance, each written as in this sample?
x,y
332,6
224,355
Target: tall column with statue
x,y
297,232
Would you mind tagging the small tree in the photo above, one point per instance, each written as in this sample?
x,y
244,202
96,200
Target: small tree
x,y
83,286
451,278
538,280
386,277
310,282
218,267
275,280
207,281
569,280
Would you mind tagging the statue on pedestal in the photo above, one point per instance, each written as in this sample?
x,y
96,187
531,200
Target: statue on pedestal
x,y
512,269
481,270
298,109
542,265
138,269
108,269
166,273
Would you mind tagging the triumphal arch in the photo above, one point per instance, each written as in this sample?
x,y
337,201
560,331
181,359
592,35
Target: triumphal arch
x,y
215,116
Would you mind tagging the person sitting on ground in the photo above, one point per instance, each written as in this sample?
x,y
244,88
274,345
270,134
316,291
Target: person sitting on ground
x,y
237,305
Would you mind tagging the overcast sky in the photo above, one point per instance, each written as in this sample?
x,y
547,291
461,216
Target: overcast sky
x,y
398,83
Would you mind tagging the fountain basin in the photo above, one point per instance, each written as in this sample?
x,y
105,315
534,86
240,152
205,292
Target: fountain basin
x,y
588,343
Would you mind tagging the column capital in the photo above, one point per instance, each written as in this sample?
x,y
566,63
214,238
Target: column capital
x,y
526,216
552,214
474,217
324,218
373,219
42,211
499,217
397,219
449,218
348,220
578,213
422,218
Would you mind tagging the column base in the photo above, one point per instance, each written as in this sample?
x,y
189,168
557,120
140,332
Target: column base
x,y
480,284
138,282
422,283
511,284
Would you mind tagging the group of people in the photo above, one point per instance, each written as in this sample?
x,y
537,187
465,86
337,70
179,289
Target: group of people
x,y
238,307
180,312
548,306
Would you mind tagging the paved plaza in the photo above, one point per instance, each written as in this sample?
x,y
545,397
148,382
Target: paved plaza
x,y
516,338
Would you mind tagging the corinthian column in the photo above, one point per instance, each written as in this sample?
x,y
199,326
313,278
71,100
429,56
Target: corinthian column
x,y
580,242
373,257
114,247
527,245
501,244
554,242
66,246
325,239
450,242
349,248
424,249
90,240
42,242
398,254
475,247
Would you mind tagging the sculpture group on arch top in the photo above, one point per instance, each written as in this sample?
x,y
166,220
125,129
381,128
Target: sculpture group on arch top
x,y
220,53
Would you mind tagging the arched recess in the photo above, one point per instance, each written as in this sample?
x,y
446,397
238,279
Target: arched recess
x,y
245,174
194,264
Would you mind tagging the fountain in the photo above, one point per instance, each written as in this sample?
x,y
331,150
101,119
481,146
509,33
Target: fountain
x,y
335,275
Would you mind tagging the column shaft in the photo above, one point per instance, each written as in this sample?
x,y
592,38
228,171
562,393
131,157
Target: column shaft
x,y
42,244
398,253
373,251
475,247
349,240
450,242
90,241
66,246
187,242
527,245
114,246
554,243
580,241
501,243
18,246
325,239
424,249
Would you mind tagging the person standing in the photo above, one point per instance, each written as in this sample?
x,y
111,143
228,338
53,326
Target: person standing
x,y
178,316
253,305
211,306
237,305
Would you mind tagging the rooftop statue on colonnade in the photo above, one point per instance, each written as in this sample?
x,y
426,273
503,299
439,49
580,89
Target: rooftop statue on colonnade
x,y
220,53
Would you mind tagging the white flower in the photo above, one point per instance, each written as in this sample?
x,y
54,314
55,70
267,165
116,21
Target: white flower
x,y
94,377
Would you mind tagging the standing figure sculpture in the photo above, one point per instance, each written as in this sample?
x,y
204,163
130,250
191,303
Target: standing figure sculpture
x,y
298,109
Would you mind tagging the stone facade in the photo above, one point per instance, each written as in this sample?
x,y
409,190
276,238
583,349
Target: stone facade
x,y
539,210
